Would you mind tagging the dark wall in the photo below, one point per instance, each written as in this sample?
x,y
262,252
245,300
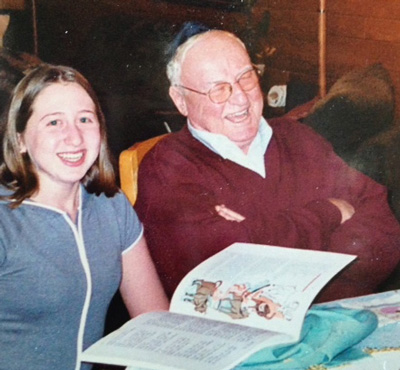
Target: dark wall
x,y
119,46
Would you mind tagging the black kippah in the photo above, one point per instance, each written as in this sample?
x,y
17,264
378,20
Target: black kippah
x,y
188,30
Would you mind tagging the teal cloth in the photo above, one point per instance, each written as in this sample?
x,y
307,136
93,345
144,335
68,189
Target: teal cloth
x,y
327,337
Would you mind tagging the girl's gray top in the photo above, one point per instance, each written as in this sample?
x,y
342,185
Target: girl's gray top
x,y
57,278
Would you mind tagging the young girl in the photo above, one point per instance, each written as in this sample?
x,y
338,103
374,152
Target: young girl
x,y
68,236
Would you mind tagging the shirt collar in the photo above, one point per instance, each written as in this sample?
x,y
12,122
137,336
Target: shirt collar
x,y
220,144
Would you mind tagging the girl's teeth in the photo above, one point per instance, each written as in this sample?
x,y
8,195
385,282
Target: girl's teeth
x,y
71,157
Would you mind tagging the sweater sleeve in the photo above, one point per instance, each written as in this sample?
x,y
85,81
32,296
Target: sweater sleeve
x,y
180,191
372,234
179,201
176,204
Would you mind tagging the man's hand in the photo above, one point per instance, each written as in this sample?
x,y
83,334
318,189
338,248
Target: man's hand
x,y
345,208
228,214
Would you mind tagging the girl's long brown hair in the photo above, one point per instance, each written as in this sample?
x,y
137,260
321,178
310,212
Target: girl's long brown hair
x,y
17,173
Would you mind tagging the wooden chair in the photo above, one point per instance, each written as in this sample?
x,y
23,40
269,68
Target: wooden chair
x,y
129,162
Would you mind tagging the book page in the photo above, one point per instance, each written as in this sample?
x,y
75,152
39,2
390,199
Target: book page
x,y
164,340
256,285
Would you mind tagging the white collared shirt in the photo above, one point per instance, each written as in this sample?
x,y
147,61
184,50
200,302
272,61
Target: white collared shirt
x,y
227,149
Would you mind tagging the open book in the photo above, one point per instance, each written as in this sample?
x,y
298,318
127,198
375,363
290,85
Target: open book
x,y
245,298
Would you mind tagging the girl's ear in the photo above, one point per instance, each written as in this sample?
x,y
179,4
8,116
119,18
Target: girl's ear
x,y
21,144
179,100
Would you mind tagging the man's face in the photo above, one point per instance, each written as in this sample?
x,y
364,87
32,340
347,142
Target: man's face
x,y
214,59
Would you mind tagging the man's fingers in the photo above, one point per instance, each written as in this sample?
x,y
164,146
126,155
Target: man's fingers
x,y
228,214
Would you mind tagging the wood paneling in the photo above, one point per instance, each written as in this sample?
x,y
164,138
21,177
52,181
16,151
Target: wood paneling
x,y
289,24
359,33
310,5
382,29
12,4
389,9
378,29
345,26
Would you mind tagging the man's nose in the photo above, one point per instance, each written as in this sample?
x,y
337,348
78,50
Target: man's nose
x,y
238,96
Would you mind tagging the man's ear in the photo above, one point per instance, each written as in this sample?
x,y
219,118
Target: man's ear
x,y
179,100
21,144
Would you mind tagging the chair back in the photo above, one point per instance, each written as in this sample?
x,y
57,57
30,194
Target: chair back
x,y
129,161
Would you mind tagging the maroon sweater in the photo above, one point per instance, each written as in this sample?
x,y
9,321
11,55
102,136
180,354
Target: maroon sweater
x,y
181,181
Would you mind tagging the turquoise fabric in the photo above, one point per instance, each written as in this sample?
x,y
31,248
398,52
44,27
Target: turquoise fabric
x,y
327,338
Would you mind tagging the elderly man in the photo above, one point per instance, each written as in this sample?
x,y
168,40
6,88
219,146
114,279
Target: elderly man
x,y
231,176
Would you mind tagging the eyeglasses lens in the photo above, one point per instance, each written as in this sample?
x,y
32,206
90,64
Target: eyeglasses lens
x,y
248,80
221,92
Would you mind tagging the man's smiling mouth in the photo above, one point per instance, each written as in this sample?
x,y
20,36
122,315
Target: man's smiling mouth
x,y
238,117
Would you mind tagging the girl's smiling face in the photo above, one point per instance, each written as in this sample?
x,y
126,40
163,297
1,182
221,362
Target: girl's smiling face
x,y
62,136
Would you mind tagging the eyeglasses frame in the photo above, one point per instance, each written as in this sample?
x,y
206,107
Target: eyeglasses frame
x,y
254,68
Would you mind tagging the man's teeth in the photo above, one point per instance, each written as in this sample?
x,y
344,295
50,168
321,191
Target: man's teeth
x,y
238,114
71,157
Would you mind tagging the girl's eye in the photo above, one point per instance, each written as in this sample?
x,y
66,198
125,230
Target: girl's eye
x,y
54,122
85,120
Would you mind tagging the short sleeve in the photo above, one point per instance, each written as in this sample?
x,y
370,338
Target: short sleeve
x,y
130,226
2,253
3,240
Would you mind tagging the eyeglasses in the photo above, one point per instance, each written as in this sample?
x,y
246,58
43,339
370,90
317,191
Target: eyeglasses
x,y
221,92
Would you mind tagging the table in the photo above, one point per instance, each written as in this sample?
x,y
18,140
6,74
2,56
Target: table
x,y
384,343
